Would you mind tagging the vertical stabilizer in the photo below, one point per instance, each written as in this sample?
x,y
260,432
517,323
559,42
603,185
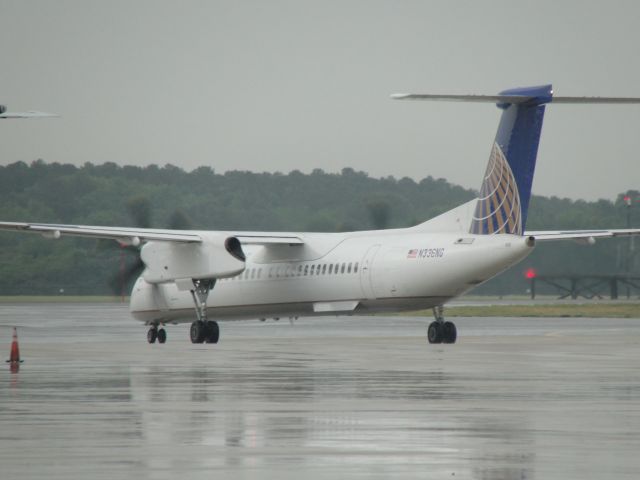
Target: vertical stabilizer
x,y
506,189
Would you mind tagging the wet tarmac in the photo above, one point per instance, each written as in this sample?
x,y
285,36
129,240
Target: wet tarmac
x,y
323,398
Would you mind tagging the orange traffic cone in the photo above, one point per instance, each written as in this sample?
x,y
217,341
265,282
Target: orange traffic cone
x,y
14,357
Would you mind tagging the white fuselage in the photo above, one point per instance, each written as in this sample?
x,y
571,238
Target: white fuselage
x,y
342,274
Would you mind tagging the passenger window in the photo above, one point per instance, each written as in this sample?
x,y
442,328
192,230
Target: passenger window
x,y
312,269
299,270
324,269
355,268
306,270
342,269
270,272
318,270
330,268
349,268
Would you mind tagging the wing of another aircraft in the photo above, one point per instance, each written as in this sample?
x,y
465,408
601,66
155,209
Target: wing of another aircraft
x,y
26,115
542,236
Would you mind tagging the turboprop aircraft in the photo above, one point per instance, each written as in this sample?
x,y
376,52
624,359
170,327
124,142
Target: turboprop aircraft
x,y
226,275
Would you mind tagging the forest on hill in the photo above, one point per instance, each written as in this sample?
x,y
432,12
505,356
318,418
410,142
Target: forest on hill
x,y
168,196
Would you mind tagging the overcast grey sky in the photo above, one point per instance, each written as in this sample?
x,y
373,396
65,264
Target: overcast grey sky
x,y
283,85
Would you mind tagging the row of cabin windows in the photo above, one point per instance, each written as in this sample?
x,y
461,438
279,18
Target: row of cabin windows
x,y
287,271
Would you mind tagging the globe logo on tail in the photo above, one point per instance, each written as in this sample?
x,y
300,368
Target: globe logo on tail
x,y
498,209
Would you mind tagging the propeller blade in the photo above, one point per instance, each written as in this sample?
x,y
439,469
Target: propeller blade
x,y
120,281
140,210
179,221
380,213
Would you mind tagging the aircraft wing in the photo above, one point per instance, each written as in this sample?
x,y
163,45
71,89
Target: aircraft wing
x,y
124,235
26,115
542,236
135,236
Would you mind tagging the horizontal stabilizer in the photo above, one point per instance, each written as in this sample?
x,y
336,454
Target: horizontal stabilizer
x,y
515,99
463,98
542,236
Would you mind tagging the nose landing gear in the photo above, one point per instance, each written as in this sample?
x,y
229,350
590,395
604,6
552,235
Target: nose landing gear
x,y
441,331
156,334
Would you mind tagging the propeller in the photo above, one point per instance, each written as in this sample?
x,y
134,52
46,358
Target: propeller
x,y
139,208
379,213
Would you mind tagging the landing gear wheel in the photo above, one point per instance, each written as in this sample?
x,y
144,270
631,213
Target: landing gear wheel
x,y
203,330
197,332
162,335
449,332
152,334
434,332
213,332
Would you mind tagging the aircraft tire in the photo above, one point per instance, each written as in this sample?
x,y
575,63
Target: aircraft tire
x,y
213,332
434,332
197,332
162,335
449,332
152,334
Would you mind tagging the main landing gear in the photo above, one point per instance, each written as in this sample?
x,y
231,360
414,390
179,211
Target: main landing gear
x,y
441,331
203,330
155,333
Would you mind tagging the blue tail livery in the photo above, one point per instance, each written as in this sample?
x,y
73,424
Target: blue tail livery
x,y
506,188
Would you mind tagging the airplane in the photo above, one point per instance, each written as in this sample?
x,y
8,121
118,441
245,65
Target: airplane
x,y
30,114
299,274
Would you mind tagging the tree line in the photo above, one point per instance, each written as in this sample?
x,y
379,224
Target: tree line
x,y
168,196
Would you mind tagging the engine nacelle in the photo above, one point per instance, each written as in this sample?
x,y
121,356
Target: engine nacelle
x,y
215,257
2,109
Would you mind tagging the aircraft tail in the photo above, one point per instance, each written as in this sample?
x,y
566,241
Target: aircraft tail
x,y
506,188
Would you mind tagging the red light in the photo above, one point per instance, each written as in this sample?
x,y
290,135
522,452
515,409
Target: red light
x,y
627,200
530,274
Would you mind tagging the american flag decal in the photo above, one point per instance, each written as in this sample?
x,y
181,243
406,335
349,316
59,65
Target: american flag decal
x,y
412,253
498,209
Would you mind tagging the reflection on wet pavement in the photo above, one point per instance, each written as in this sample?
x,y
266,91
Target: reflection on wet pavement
x,y
330,398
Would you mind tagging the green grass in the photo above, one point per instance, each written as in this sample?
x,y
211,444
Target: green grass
x,y
62,299
596,310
